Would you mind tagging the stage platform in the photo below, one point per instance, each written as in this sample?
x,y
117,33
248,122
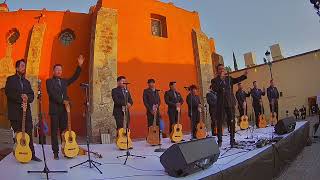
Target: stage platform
x,y
235,164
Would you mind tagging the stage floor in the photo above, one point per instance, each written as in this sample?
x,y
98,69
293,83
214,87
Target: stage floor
x,y
136,168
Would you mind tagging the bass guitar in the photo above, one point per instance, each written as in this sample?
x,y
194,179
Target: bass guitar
x,y
262,118
273,116
244,123
70,147
176,134
124,141
153,137
22,150
201,127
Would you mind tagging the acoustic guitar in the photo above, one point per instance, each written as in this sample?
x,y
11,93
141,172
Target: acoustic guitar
x,y
124,141
22,150
262,118
273,116
153,137
244,123
70,147
176,134
201,127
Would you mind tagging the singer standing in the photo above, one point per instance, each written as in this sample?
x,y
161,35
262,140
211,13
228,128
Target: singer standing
x,y
57,91
151,100
226,102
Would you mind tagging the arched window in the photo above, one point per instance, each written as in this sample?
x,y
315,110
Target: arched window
x,y
13,35
66,37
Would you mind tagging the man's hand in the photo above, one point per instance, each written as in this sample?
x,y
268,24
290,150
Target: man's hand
x,y
178,104
24,97
245,73
80,60
65,102
129,105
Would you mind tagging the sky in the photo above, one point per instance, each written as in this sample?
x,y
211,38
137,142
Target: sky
x,y
238,26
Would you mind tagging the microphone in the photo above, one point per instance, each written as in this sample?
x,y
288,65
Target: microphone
x,y
84,85
158,90
126,83
39,81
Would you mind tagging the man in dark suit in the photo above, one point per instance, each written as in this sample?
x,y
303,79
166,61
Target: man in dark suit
x,y
194,108
273,97
57,91
18,90
212,101
256,95
223,85
151,100
241,97
174,100
121,98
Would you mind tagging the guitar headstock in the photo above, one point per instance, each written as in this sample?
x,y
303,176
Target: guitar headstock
x,y
67,105
155,107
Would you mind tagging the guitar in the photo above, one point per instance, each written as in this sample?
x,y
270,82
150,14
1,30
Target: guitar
x,y
262,118
176,134
236,124
70,147
273,116
153,137
244,123
124,141
22,150
83,151
201,127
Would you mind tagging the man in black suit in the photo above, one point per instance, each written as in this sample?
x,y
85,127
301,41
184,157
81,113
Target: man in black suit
x,y
121,98
151,100
18,90
174,100
57,91
273,97
241,97
212,101
256,95
194,108
223,85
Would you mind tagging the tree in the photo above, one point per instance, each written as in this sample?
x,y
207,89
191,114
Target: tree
x,y
228,68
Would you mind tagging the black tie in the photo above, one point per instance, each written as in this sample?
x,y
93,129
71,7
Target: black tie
x,y
21,83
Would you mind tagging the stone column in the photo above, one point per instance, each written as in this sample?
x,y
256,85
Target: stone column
x,y
203,62
33,62
103,71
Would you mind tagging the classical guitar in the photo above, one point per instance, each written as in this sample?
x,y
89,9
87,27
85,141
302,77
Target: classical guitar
x,y
70,147
83,151
124,141
22,150
153,137
262,118
273,116
176,134
244,123
201,127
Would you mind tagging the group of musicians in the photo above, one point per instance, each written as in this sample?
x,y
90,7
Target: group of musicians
x,y
220,98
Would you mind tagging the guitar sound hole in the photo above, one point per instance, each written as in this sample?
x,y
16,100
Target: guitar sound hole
x,y
23,142
70,139
154,131
178,129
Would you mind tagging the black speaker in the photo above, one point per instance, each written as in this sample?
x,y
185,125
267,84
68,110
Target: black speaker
x,y
285,126
186,158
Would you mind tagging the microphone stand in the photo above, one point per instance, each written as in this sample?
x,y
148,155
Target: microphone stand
x,y
191,98
126,104
45,169
160,149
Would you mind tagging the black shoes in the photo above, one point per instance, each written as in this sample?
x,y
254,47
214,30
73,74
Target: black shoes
x,y
56,156
35,158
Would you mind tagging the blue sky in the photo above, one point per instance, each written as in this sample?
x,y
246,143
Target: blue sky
x,y
236,25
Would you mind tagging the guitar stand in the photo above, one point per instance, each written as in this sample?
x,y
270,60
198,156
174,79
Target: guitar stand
x,y
160,149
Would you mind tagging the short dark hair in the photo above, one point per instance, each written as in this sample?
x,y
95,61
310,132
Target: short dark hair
x,y
151,81
120,78
219,66
254,82
192,87
172,83
19,62
56,65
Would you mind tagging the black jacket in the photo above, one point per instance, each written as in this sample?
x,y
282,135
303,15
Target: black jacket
x,y
119,101
195,101
212,101
150,98
272,93
241,97
256,95
224,89
15,86
171,100
58,94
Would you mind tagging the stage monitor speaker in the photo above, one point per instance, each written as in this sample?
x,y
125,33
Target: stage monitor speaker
x,y
285,126
186,158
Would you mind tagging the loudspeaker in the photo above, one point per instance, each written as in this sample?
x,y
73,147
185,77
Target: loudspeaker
x,y
186,158
285,126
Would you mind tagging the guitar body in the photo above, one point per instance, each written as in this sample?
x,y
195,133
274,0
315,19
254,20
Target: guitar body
x,y
262,121
70,147
22,150
273,119
201,130
121,141
244,123
176,134
153,137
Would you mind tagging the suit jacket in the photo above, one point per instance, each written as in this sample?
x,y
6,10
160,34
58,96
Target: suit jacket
x,y
241,97
224,89
212,101
15,86
151,98
171,99
272,93
256,95
119,101
57,94
195,101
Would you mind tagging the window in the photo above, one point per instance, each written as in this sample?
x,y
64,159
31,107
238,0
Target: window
x,y
13,35
66,37
158,26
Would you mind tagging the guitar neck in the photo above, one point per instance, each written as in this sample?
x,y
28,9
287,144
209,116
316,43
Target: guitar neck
x,y
23,129
155,119
125,118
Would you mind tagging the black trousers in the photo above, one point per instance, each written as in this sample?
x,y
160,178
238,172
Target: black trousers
x,y
173,118
119,117
241,110
275,109
194,121
228,112
150,119
257,111
59,122
17,127
213,122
